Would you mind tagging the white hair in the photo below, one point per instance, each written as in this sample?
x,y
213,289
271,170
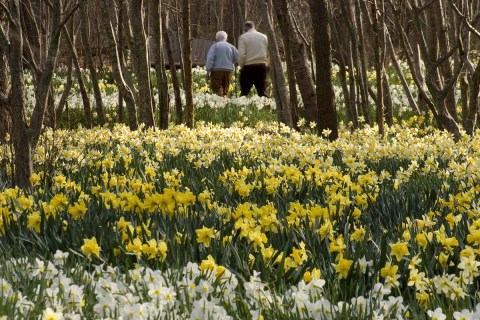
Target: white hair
x,y
221,36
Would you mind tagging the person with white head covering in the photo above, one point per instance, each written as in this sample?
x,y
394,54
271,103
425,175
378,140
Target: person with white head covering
x,y
221,58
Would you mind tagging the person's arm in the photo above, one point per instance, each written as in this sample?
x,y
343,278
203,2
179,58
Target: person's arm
x,y
234,55
242,51
210,59
267,50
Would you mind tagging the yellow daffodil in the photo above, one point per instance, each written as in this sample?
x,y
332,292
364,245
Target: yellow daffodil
x,y
91,248
342,267
205,235
399,249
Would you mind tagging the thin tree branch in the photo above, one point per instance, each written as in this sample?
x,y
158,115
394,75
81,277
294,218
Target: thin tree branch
x,y
419,9
3,99
3,38
447,56
465,20
297,28
7,12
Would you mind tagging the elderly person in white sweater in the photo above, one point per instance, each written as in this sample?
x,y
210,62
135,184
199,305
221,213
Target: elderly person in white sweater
x,y
253,60
221,58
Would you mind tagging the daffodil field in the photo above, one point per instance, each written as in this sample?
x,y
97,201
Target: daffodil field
x,y
250,220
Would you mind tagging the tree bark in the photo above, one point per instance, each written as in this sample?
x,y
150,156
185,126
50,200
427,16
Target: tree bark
x,y
5,114
25,136
300,64
83,90
110,25
91,66
327,112
403,81
279,85
157,47
141,64
379,37
292,85
173,71
66,92
187,58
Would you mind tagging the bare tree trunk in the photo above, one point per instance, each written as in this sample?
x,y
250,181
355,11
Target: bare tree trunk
x,y
173,70
66,92
21,139
78,72
300,64
472,115
140,62
91,67
110,25
379,37
444,44
292,85
279,86
187,58
387,100
5,114
403,81
362,61
157,47
327,112
349,57
25,137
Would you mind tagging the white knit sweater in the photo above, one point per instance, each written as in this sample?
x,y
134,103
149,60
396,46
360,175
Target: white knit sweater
x,y
252,48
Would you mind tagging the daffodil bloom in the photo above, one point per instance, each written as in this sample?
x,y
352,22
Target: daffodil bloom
x,y
358,235
342,267
34,179
78,210
205,235
399,249
50,314
389,270
308,276
208,264
34,221
135,246
91,248
437,314
257,237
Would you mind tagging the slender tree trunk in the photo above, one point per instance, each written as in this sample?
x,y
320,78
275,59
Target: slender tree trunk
x,y
157,47
379,37
78,72
25,137
300,64
91,66
110,26
279,85
327,112
471,118
140,62
341,58
363,64
403,81
173,71
444,46
66,92
187,57
5,114
387,99
349,49
21,139
292,85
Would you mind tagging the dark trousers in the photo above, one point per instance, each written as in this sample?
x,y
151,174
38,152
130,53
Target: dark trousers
x,y
254,75
220,82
